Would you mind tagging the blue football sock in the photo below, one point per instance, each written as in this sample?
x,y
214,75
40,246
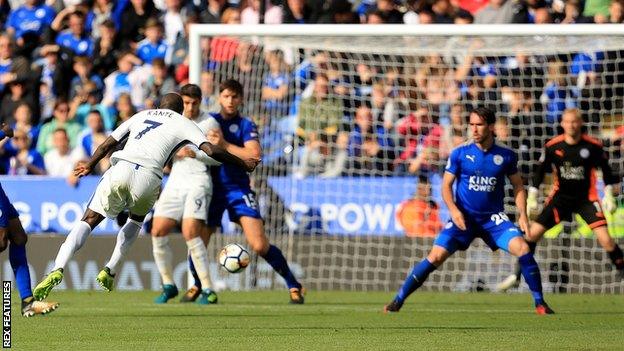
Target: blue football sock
x,y
19,263
414,280
531,274
194,273
276,259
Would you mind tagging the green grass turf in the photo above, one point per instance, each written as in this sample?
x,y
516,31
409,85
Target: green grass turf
x,y
263,320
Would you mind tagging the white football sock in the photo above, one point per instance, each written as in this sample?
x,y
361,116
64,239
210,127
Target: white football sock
x,y
199,255
74,241
163,258
125,238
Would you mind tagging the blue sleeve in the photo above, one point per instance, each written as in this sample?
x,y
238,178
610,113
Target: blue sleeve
x,y
38,160
250,132
512,166
11,20
50,15
90,48
453,164
550,90
89,21
59,40
118,10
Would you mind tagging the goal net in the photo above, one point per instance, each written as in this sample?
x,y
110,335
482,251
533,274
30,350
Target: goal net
x,y
357,122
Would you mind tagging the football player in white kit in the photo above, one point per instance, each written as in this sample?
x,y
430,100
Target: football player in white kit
x,y
133,181
185,200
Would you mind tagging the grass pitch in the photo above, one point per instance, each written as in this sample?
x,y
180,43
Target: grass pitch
x,y
263,320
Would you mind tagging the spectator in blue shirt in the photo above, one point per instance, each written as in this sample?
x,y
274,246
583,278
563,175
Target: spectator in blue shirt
x,y
32,17
370,146
94,135
75,37
25,160
557,94
153,46
275,86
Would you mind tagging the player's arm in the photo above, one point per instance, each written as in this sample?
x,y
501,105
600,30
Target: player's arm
x,y
193,152
453,168
520,197
544,165
207,160
196,136
122,132
251,146
220,154
83,169
447,195
610,180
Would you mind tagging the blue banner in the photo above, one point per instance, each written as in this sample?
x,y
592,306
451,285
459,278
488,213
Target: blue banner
x,y
349,206
48,204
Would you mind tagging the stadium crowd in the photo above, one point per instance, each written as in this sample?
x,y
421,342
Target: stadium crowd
x,y
71,71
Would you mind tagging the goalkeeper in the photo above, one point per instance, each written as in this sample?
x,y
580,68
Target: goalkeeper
x,y
573,158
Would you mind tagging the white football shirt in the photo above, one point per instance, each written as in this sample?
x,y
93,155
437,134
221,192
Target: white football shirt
x,y
197,166
154,136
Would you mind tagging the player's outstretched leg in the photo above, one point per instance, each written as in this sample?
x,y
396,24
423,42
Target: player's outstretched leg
x,y
125,238
75,239
254,232
19,263
276,259
413,281
418,275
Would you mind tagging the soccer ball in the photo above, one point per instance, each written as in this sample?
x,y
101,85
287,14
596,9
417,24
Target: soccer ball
x,y
234,258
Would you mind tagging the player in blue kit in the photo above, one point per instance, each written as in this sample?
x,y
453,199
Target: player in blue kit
x,y
232,189
12,235
477,209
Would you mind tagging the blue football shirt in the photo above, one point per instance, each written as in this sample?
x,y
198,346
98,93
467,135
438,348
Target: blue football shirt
x,y
82,46
24,20
237,131
480,177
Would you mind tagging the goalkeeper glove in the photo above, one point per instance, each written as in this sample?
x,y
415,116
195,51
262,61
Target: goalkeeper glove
x,y
532,199
608,200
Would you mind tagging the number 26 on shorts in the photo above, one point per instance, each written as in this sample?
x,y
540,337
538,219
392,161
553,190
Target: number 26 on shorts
x,y
499,218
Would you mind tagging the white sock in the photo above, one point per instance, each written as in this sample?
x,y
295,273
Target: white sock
x,y
74,241
163,258
199,255
125,238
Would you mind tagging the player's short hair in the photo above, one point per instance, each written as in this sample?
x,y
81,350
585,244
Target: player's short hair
x,y
191,90
172,101
486,114
232,85
574,111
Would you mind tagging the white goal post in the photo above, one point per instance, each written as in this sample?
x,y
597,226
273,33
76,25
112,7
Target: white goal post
x,y
339,211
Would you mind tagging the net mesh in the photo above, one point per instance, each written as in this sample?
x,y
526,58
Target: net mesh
x,y
356,132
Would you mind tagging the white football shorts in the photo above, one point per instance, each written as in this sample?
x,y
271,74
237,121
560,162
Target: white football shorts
x,y
125,185
179,201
